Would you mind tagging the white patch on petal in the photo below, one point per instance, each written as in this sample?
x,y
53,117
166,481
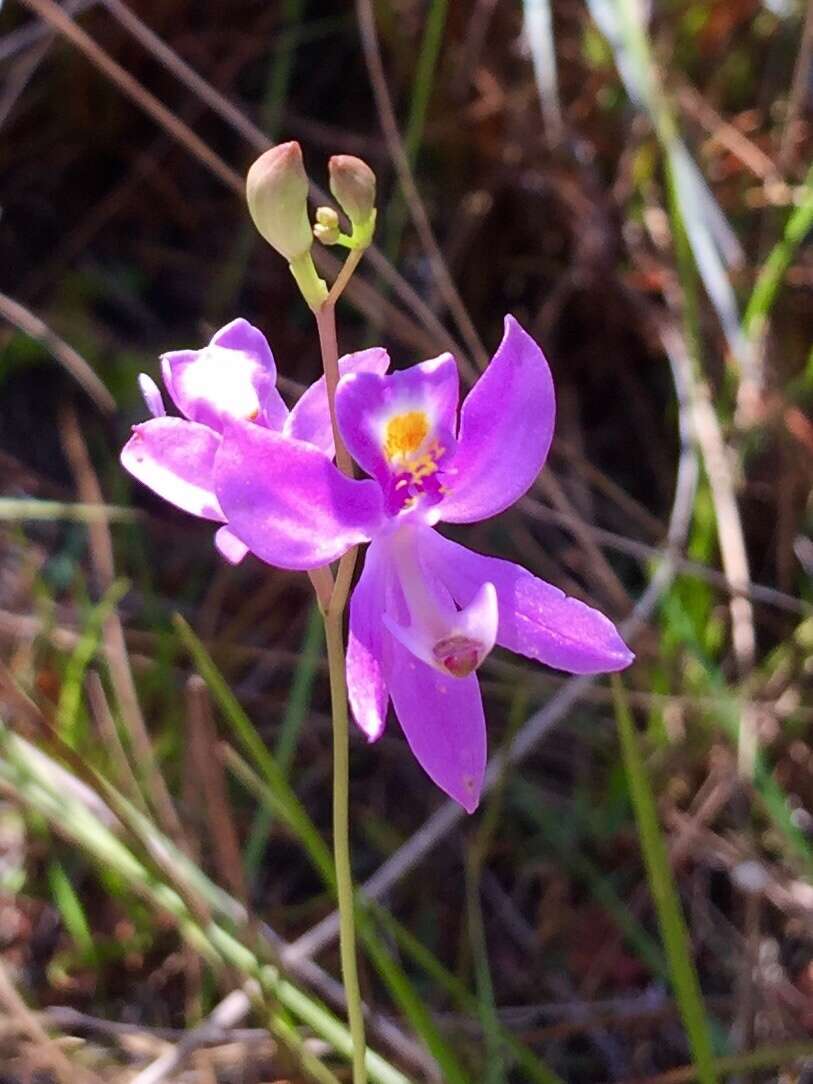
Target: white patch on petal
x,y
223,378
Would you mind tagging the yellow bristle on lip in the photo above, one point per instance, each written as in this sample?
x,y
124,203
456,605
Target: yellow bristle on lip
x,y
405,433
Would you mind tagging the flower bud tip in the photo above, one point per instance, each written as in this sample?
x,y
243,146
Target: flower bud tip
x,y
352,183
277,194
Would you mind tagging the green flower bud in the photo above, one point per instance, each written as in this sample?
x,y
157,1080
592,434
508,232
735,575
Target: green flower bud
x,y
352,183
277,193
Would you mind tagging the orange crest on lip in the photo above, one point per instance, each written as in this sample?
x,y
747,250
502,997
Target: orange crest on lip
x,y
404,435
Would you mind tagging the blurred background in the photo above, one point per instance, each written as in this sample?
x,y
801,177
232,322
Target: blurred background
x,y
633,901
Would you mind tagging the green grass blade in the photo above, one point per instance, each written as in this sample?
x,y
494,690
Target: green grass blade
x,y
296,710
276,792
71,911
797,227
422,86
728,714
19,510
538,26
412,1005
70,694
535,1070
270,801
645,947
713,242
287,803
665,895
40,785
494,1068
393,975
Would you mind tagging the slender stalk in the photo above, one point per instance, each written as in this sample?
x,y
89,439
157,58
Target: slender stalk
x,y
334,636
333,616
326,326
343,277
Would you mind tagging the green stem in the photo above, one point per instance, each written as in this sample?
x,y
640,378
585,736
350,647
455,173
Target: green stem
x,y
345,274
312,288
341,838
326,326
333,616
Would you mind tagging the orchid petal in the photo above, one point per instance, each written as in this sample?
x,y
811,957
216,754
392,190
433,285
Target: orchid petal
x,y
151,395
366,685
287,502
536,619
366,404
175,458
506,427
229,546
234,376
442,718
309,419
243,337
452,641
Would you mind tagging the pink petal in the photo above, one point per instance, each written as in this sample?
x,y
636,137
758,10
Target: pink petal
x,y
151,395
442,718
243,337
229,546
453,641
366,402
506,427
366,684
287,502
234,376
309,419
175,458
535,618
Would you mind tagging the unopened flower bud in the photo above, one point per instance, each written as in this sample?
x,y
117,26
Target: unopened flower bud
x,y
326,216
277,193
352,183
326,229
326,234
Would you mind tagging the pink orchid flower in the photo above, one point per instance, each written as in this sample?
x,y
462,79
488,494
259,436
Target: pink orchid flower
x,y
425,611
234,377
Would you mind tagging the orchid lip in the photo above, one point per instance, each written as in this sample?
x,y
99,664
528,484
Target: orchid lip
x,y
458,655
453,641
454,654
